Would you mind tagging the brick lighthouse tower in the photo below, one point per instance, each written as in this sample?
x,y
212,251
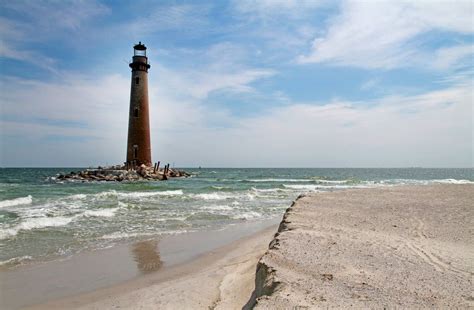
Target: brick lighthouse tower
x,y
138,144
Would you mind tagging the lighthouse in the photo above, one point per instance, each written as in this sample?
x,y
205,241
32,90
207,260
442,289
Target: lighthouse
x,y
138,143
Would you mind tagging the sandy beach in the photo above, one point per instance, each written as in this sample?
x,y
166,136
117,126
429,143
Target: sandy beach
x,y
405,246
397,247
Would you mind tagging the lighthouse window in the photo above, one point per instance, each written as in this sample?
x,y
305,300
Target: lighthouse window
x,y
135,112
135,151
137,80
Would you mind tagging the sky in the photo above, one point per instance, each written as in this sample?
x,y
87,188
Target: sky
x,y
243,83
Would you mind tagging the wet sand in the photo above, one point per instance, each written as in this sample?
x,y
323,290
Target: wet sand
x,y
397,247
91,277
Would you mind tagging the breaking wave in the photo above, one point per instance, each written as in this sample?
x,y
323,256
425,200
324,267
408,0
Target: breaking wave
x,y
35,223
128,195
453,181
16,202
218,208
277,180
101,213
211,196
331,181
178,192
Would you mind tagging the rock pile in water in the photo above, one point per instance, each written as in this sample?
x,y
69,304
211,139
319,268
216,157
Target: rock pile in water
x,y
121,173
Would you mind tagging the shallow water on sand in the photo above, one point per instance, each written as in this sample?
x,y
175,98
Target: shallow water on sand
x,y
41,218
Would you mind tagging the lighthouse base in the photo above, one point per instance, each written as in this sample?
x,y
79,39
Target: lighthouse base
x,y
123,174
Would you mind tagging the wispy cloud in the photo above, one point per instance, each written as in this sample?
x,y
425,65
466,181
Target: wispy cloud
x,y
53,16
389,131
272,9
42,21
386,34
185,18
455,57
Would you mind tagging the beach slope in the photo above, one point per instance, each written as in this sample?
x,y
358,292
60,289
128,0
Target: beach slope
x,y
397,247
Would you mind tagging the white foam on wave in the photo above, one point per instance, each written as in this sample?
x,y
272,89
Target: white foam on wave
x,y
453,181
53,208
16,202
322,187
101,213
78,196
269,190
211,196
220,187
419,182
16,260
35,223
178,192
125,235
331,181
372,184
277,180
217,208
137,195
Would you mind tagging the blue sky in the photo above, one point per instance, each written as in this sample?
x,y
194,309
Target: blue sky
x,y
243,83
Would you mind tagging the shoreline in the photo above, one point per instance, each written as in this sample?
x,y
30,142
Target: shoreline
x,y
403,246
135,265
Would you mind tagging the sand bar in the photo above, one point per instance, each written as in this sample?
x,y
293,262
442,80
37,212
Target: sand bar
x,y
398,247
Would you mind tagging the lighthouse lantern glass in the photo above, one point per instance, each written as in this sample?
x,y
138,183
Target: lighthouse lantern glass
x,y
140,52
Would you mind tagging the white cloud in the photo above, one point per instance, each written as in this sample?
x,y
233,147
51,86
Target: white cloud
x,y
450,57
40,22
186,18
430,129
270,9
52,16
381,34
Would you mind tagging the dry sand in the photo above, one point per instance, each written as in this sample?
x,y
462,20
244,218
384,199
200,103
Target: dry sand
x,y
399,247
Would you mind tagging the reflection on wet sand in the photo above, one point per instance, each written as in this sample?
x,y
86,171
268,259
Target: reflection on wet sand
x,y
147,256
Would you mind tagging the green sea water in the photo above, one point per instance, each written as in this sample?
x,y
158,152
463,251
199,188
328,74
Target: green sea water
x,y
42,218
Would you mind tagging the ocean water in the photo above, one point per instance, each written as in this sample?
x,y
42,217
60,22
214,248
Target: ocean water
x,y
42,218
